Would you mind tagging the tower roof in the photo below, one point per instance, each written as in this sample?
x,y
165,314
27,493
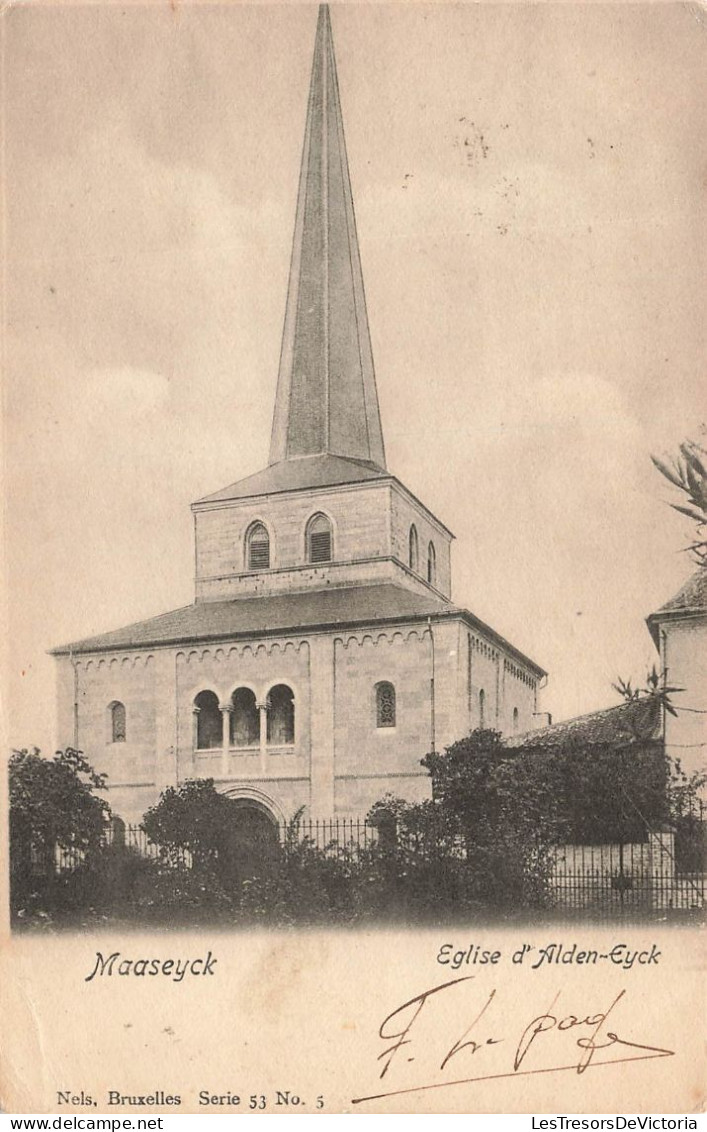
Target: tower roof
x,y
326,400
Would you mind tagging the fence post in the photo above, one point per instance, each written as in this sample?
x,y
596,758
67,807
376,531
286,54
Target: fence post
x,y
662,868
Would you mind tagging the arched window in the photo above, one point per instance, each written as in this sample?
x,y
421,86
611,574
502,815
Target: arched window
x,y
258,547
413,550
482,708
117,722
281,715
385,704
319,541
431,564
209,721
515,719
245,719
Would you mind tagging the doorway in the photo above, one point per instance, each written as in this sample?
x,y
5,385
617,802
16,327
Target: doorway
x,y
254,843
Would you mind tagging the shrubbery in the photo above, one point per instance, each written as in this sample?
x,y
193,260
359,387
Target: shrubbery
x,y
482,845
54,809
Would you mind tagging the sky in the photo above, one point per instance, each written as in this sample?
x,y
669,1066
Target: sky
x,y
529,183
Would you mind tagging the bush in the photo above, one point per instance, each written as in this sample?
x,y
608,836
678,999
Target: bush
x,y
177,894
304,885
109,879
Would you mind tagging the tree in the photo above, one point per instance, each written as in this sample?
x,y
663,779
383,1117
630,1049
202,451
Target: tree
x,y
485,839
195,819
502,805
688,473
53,803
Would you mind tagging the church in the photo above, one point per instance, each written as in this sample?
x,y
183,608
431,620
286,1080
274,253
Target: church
x,y
323,655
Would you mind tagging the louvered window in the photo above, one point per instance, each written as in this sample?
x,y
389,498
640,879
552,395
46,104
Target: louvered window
x,y
319,539
385,705
258,548
320,546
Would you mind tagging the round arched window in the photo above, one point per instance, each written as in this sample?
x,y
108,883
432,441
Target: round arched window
x,y
385,704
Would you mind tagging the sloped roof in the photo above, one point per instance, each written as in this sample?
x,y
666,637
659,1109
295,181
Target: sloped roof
x,y
632,721
279,613
299,474
689,600
255,616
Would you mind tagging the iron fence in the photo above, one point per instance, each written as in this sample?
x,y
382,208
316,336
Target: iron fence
x,y
666,873
332,836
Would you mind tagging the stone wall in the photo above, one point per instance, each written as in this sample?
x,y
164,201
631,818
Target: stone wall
x,y
340,761
359,517
404,512
370,525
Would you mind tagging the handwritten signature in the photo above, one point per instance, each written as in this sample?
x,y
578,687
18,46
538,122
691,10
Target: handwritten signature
x,y
543,1045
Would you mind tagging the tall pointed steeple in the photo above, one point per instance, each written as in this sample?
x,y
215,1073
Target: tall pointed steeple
x,y
326,392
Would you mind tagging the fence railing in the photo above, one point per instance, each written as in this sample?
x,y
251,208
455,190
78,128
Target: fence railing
x,y
331,835
667,872
633,878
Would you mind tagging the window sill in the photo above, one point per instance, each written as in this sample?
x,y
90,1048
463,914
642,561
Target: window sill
x,y
270,748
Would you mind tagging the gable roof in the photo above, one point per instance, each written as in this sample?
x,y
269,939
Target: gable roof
x,y
298,475
631,722
691,599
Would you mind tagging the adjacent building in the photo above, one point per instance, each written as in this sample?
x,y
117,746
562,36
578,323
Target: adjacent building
x,y
679,632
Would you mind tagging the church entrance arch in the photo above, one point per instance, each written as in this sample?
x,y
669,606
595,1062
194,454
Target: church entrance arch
x,y
254,843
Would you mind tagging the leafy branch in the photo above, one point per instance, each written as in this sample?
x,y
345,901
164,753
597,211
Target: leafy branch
x,y
655,687
688,473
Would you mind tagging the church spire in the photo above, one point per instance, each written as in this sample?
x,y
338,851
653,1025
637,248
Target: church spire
x,y
326,391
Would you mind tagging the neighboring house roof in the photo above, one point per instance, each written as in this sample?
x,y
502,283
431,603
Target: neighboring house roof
x,y
632,721
689,601
345,607
299,474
